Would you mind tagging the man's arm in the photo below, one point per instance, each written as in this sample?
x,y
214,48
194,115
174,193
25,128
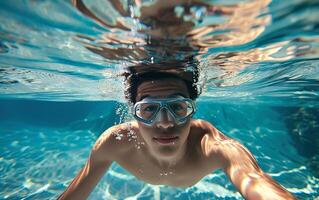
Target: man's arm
x,y
86,179
244,172
103,153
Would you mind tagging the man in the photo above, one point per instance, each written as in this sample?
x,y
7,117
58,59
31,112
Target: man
x,y
165,146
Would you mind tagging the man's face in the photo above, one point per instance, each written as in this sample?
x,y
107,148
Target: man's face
x,y
164,137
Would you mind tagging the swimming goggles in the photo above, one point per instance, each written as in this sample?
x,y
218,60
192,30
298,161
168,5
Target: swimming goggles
x,y
178,109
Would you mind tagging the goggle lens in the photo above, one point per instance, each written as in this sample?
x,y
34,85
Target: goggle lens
x,y
181,109
147,111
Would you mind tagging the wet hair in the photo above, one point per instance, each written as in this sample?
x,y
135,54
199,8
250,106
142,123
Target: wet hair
x,y
132,79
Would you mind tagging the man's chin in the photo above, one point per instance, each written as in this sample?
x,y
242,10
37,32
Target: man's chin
x,y
167,150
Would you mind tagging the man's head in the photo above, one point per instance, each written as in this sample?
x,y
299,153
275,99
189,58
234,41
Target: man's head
x,y
164,137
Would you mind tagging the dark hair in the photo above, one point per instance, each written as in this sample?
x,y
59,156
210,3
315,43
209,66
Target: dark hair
x,y
133,79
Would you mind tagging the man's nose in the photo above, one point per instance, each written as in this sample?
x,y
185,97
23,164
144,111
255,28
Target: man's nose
x,y
165,120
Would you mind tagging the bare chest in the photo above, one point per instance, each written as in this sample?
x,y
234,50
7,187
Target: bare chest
x,y
183,174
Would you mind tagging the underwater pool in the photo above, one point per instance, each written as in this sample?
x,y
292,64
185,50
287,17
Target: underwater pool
x,y
60,88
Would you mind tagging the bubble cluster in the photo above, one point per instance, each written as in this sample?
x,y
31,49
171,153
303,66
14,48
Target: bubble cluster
x,y
118,135
139,144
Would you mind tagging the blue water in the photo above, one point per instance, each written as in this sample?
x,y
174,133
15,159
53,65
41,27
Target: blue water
x,y
259,71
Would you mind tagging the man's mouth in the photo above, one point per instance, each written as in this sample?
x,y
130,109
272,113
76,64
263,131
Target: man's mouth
x,y
165,140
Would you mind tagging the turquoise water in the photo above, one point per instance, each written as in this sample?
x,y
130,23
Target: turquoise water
x,y
60,88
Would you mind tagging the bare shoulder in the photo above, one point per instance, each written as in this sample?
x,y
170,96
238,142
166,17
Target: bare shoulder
x,y
209,132
219,147
115,141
